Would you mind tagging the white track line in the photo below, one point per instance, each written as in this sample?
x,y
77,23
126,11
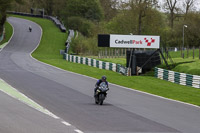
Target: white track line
x,y
40,108
78,131
52,115
66,123
46,111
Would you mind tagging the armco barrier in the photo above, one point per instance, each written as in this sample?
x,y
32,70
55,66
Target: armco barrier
x,y
96,63
179,78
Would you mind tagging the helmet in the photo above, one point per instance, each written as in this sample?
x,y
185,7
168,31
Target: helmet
x,y
103,78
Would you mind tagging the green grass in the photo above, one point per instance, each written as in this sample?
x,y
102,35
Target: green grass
x,y
189,65
52,40
8,33
121,61
49,53
177,54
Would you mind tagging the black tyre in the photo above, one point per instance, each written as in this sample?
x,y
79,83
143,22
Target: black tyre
x,y
101,102
96,101
101,98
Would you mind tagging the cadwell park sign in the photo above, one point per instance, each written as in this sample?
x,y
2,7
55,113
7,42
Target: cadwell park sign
x,y
129,41
134,41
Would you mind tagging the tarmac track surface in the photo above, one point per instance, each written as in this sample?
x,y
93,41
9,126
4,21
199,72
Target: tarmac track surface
x,y
70,96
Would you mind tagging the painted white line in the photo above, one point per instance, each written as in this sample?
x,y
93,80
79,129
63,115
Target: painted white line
x,y
157,96
37,107
43,110
78,131
66,123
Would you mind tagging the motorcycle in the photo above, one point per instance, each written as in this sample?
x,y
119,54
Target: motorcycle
x,y
30,28
101,93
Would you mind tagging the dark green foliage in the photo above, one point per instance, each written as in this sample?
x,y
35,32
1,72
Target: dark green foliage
x,y
4,6
85,26
89,9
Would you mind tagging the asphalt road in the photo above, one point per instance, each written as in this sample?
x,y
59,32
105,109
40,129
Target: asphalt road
x,y
70,96
17,117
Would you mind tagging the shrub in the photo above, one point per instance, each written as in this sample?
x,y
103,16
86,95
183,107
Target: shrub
x,y
86,27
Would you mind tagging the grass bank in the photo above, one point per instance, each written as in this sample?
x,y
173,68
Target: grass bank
x,y
8,33
143,83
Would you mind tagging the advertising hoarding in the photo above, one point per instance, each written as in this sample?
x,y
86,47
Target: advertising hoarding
x,y
134,41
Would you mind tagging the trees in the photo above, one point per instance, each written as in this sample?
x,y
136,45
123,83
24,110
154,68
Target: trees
x,y
188,4
82,14
171,5
91,17
142,7
109,8
4,6
89,9
136,17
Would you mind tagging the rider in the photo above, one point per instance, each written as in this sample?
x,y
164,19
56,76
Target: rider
x,y
30,28
103,79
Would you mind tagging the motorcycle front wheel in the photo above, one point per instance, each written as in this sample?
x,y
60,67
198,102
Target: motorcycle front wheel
x,y
96,100
101,98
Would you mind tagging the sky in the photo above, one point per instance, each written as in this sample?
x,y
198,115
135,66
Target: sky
x,y
180,4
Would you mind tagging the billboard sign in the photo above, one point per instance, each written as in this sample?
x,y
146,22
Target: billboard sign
x,y
134,41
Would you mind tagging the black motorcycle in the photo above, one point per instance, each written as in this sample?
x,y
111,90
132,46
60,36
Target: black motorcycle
x,y
101,93
30,28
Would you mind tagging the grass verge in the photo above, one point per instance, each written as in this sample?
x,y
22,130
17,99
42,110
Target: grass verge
x,y
8,33
143,83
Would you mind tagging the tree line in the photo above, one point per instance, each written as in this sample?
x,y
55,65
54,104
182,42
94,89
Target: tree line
x,y
138,17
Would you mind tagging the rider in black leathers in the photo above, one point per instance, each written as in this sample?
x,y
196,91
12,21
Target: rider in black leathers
x,y
30,28
103,79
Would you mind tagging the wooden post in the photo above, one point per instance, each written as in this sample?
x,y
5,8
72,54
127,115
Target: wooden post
x,y
181,53
112,52
109,53
125,52
199,52
167,53
193,52
106,52
118,52
115,52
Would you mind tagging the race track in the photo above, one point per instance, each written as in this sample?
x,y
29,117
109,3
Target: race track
x,y
70,96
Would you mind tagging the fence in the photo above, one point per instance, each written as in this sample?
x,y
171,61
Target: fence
x,y
54,19
179,78
112,53
187,52
96,63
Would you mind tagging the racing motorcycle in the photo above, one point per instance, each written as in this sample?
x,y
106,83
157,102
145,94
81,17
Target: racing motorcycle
x,y
30,28
101,93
